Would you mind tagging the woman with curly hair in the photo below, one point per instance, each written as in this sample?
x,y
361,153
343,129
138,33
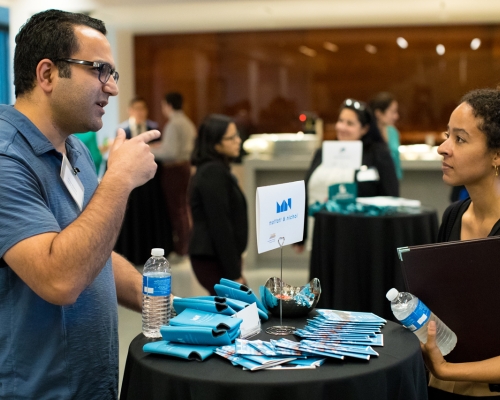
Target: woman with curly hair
x,y
471,157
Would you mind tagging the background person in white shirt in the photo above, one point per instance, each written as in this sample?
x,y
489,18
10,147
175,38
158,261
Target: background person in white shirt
x,y
138,121
174,152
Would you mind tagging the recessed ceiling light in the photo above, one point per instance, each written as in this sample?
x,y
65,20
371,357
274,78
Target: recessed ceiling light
x,y
402,42
330,47
307,51
370,48
440,49
475,44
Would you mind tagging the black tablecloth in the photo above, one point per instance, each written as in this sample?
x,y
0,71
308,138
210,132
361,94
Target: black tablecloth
x,y
355,257
146,224
398,373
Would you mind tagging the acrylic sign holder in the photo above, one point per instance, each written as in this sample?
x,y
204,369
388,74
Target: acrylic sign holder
x,y
281,330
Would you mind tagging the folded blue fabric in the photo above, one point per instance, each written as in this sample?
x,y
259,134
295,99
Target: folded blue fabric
x,y
190,317
180,304
186,351
236,305
234,284
244,294
200,335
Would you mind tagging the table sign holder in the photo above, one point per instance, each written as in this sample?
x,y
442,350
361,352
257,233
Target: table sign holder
x,y
281,330
280,211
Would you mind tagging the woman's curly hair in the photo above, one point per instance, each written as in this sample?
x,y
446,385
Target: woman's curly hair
x,y
485,104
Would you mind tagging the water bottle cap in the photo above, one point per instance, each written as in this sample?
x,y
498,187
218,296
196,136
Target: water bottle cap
x,y
392,294
157,252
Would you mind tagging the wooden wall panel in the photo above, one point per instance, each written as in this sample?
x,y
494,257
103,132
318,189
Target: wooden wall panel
x,y
265,81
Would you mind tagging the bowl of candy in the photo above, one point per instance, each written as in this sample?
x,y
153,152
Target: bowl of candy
x,y
297,301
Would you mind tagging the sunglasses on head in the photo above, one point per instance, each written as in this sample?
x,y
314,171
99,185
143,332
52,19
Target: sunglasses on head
x,y
357,105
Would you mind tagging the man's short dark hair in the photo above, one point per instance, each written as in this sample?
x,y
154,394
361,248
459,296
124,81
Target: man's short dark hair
x,y
174,99
48,34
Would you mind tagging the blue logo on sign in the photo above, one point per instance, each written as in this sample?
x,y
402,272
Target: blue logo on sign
x,y
284,206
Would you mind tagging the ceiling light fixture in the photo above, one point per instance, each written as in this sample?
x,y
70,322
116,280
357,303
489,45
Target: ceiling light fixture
x,y
402,42
307,51
440,49
370,48
330,47
475,44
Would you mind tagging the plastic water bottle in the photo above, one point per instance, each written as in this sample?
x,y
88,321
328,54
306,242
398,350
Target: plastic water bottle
x,y
156,288
415,316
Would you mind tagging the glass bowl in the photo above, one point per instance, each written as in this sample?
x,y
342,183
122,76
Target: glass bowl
x,y
298,301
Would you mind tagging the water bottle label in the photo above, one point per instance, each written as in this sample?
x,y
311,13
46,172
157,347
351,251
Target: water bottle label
x,y
156,286
417,318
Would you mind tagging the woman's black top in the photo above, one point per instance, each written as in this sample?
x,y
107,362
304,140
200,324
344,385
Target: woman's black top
x,y
451,226
219,211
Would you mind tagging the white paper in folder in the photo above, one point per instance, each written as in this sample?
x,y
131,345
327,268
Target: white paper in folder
x,y
280,213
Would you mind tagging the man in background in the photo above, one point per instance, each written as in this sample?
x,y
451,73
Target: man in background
x,y
138,121
174,151
59,278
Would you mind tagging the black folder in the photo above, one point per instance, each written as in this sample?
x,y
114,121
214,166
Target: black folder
x,y
460,283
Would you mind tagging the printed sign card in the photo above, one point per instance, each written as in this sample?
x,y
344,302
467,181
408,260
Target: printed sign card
x,y
280,213
342,154
344,193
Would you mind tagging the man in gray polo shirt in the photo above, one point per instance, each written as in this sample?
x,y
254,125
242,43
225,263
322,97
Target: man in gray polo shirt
x,y
59,279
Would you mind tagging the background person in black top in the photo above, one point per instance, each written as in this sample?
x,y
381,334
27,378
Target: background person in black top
x,y
471,157
219,209
356,122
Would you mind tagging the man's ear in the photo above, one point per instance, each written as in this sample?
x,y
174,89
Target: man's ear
x,y
45,73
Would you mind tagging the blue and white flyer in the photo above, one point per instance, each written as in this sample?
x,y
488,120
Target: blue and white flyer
x,y
280,211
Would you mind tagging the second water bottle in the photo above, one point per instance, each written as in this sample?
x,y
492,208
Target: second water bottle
x,y
415,316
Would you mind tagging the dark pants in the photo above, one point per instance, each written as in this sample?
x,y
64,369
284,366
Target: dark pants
x,y
175,181
208,271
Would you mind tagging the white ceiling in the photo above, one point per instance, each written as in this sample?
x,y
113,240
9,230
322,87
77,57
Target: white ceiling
x,y
223,15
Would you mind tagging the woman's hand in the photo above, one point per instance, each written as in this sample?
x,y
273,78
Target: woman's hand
x,y
432,355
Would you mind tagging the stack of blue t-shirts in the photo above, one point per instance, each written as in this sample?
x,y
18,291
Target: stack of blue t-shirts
x,y
194,334
201,327
236,291
211,304
215,304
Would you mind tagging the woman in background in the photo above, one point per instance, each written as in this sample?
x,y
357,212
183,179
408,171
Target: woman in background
x,y
356,122
471,157
219,210
385,109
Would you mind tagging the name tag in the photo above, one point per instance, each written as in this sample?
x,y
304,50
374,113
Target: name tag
x,y
72,182
367,174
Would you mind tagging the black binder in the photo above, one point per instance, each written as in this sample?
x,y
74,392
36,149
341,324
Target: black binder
x,y
460,283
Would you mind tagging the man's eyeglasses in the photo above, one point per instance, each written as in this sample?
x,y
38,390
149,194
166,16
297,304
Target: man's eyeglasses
x,y
358,105
105,70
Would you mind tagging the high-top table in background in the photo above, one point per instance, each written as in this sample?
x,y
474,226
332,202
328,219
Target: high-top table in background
x,y
355,256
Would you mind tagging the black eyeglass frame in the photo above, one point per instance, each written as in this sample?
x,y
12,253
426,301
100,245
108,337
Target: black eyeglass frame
x,y
98,65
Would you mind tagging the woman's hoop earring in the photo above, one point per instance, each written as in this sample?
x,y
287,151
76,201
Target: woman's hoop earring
x,y
496,170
